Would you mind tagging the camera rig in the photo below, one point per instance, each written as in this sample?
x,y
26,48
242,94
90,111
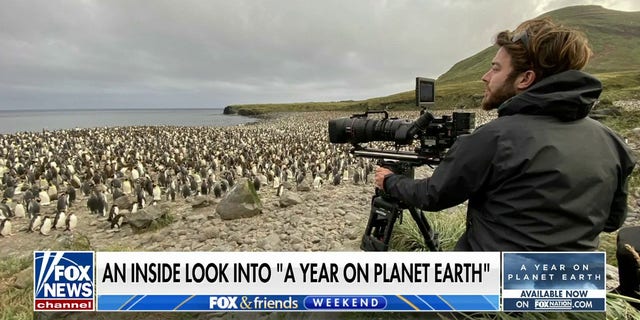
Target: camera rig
x,y
435,136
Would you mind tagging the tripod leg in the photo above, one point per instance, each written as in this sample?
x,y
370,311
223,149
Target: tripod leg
x,y
430,237
382,218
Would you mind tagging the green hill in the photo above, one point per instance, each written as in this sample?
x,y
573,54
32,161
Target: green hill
x,y
614,37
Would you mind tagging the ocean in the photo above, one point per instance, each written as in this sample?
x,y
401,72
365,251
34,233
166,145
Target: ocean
x,y
14,121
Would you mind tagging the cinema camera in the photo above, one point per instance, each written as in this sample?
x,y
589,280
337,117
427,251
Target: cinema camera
x,y
435,135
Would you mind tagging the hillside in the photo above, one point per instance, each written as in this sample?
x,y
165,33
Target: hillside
x,y
614,37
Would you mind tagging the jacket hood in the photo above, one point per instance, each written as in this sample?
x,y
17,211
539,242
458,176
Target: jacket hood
x,y
568,96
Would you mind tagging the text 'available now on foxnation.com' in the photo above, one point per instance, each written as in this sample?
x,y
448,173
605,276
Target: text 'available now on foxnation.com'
x,y
313,281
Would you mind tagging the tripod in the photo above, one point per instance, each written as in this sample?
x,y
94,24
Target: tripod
x,y
385,210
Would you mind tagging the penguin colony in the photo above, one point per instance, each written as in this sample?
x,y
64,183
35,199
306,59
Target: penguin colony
x,y
47,175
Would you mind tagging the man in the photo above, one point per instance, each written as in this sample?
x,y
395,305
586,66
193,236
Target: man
x,y
542,176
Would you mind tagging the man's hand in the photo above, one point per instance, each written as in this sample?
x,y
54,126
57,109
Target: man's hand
x,y
381,173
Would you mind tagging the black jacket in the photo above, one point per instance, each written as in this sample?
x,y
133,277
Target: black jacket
x,y
542,176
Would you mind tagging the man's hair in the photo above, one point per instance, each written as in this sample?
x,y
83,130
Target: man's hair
x,y
545,47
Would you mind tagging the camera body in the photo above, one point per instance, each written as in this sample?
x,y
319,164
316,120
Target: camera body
x,y
436,136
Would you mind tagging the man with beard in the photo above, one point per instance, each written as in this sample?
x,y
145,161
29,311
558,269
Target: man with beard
x,y
542,176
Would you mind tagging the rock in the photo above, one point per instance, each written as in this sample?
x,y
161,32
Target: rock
x,y
288,185
209,233
194,217
147,218
303,186
200,202
229,110
270,242
125,202
24,278
241,202
289,199
352,218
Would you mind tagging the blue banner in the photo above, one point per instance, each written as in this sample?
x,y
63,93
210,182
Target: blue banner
x,y
554,281
298,303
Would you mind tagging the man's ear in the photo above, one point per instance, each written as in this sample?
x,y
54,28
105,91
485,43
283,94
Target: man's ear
x,y
525,80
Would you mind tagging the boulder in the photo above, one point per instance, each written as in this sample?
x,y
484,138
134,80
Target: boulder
x,y
146,218
289,199
303,186
125,202
200,202
241,201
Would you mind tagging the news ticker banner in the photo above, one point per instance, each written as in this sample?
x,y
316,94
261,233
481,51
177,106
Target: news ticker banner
x,y
267,281
554,281
318,281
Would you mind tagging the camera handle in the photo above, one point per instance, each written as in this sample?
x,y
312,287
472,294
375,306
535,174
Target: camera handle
x,y
385,210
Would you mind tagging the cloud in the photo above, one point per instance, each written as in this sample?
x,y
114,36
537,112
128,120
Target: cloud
x,y
57,54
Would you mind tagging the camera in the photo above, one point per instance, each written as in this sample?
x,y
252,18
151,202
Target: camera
x,y
436,136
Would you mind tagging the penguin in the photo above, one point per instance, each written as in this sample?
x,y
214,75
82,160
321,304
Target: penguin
x,y
71,222
280,190
27,197
86,188
5,227
45,229
9,192
224,185
142,203
141,196
364,175
59,220
116,193
52,191
186,191
256,183
117,221
134,209
172,194
35,223
126,186
113,212
71,192
299,178
356,177
93,203
5,209
276,182
317,181
204,187
345,175
33,208
19,211
157,193
230,181
63,202
44,198
336,179
217,191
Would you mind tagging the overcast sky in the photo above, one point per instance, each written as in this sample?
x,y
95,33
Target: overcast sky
x,y
209,54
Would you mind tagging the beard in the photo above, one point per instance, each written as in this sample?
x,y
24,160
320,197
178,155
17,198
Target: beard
x,y
493,99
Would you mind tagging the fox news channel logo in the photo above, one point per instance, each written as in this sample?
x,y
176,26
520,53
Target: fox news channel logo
x,y
63,281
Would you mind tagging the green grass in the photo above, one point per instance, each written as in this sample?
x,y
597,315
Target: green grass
x,y
623,125
15,303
